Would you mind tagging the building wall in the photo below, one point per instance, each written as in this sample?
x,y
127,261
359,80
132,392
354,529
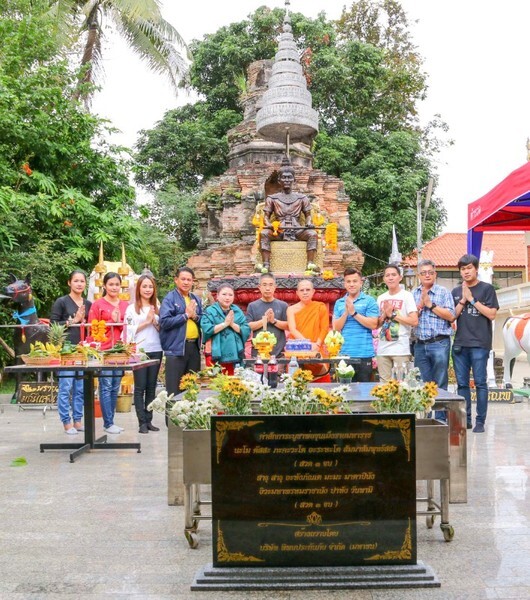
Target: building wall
x,y
501,279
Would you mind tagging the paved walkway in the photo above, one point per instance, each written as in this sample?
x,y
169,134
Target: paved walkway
x,y
101,528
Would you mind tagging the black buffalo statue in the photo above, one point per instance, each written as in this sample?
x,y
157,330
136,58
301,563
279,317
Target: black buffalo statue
x,y
30,328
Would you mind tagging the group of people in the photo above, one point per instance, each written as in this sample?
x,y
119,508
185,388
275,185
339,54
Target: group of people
x,y
141,319
418,324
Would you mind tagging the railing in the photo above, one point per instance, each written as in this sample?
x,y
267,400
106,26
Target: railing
x,y
515,297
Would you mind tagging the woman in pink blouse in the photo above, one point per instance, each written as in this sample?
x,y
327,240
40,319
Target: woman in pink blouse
x,y
112,310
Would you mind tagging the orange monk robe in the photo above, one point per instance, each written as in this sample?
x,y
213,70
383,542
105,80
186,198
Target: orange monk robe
x,y
312,321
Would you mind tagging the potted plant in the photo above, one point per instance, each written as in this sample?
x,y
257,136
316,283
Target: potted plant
x,y
297,398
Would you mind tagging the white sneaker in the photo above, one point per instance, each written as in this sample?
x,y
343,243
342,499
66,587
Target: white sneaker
x,y
113,429
71,431
120,428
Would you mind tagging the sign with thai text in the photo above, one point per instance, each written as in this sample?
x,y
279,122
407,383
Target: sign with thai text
x,y
495,395
37,392
326,490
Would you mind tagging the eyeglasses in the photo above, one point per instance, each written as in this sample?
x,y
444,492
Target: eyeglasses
x,y
425,273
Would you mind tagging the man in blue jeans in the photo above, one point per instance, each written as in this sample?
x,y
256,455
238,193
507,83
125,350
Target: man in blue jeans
x,y
436,312
476,307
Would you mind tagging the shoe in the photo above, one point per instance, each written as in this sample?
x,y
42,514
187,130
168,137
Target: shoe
x,y
80,428
71,431
469,425
120,428
479,428
151,427
113,429
143,428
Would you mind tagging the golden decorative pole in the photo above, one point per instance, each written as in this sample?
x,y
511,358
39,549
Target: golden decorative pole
x,y
100,269
123,271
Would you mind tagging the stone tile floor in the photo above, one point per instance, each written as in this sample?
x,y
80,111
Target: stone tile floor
x,y
101,527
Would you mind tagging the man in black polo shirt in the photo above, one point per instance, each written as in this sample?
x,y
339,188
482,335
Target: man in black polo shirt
x,y
476,307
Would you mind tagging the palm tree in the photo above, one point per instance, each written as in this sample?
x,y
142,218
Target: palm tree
x,y
140,22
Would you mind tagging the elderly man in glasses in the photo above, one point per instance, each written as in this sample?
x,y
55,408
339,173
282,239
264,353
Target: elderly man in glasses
x,y
436,312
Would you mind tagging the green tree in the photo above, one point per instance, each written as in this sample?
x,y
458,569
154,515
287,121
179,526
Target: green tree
x,y
63,188
187,147
139,22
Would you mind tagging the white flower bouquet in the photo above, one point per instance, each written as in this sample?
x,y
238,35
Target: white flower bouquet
x,y
296,398
187,414
345,371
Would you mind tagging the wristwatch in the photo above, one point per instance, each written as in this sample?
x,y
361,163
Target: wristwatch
x,y
433,305
393,315
355,313
274,322
472,302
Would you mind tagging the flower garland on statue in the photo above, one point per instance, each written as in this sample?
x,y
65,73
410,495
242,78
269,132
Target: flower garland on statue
x,y
331,236
259,223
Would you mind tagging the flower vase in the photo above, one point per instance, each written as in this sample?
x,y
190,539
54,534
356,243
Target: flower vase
x,y
345,380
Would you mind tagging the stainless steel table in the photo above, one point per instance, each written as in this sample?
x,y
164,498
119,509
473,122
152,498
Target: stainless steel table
x,y
360,399
89,374
455,407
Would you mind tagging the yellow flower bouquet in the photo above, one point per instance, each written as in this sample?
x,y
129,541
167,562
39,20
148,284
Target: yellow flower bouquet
x,y
296,398
401,397
334,340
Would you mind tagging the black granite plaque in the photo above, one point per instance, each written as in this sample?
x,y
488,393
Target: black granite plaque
x,y
314,490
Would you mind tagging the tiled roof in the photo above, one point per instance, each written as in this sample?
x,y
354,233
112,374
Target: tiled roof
x,y
509,250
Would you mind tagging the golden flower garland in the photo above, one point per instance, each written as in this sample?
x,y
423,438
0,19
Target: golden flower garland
x,y
331,236
318,220
259,224
99,330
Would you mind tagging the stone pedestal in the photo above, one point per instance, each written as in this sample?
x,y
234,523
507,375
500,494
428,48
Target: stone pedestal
x,y
291,257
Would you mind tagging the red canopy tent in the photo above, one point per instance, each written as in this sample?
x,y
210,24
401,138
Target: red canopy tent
x,y
505,208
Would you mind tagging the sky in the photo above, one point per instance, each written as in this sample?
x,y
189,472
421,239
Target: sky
x,y
474,53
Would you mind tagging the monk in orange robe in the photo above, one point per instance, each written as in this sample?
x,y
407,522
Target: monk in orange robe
x,y
309,320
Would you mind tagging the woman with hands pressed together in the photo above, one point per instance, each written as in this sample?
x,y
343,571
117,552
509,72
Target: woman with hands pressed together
x,y
112,310
226,325
141,319
69,310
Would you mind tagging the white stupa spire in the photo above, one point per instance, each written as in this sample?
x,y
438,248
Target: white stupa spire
x,y
395,256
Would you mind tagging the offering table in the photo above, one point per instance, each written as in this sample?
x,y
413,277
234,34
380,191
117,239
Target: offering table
x,y
89,372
